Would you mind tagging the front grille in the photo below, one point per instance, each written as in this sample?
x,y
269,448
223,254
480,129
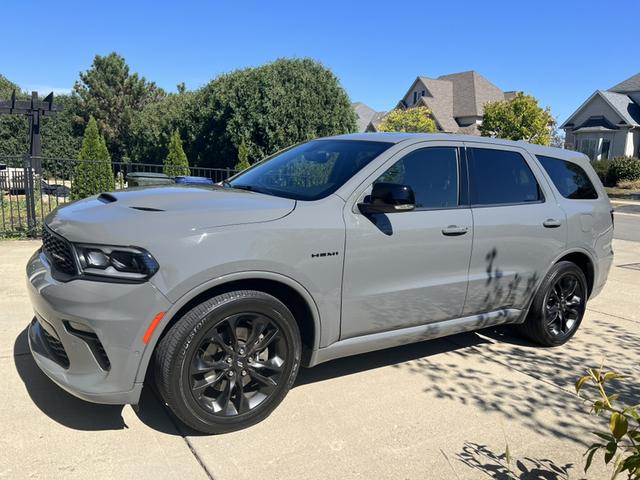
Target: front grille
x,y
56,349
58,251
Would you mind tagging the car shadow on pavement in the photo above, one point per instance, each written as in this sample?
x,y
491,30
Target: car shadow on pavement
x,y
77,414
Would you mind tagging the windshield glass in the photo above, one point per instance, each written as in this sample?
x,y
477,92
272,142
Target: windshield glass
x,y
310,171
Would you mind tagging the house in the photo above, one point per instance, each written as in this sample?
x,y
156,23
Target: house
x,y
607,124
456,101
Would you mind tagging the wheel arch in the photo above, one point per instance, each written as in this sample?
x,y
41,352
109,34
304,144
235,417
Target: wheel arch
x,y
584,261
288,291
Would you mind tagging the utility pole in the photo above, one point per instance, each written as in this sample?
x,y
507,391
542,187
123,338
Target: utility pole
x,y
35,109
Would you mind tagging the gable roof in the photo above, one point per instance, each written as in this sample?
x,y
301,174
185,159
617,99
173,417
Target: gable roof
x,y
365,113
470,92
631,84
440,102
622,104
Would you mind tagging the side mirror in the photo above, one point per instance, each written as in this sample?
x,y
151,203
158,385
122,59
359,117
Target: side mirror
x,y
389,198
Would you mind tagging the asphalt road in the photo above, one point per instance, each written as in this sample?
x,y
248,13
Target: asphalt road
x,y
627,223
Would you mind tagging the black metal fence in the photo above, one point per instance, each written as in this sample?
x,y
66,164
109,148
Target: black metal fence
x,y
32,187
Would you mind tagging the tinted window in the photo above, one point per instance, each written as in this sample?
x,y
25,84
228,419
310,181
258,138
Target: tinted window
x,y
569,178
310,171
500,176
432,173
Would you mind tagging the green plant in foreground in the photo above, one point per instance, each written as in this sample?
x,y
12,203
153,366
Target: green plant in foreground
x,y
176,162
621,443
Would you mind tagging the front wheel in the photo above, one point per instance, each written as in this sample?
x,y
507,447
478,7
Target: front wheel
x,y
228,363
558,307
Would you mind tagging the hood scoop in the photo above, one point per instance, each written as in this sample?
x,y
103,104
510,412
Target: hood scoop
x,y
148,209
107,198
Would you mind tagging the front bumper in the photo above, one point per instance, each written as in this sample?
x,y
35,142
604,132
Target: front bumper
x,y
117,315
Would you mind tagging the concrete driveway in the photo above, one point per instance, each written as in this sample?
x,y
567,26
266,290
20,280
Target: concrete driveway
x,y
434,410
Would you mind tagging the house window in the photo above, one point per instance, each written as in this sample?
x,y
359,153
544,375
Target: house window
x,y
588,147
604,150
415,97
422,93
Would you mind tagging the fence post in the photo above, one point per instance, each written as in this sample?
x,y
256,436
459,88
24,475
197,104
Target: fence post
x,y
228,173
30,196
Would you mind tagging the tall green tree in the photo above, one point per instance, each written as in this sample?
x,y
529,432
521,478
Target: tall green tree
x,y
112,95
93,173
176,162
153,127
271,107
14,129
243,157
520,118
417,119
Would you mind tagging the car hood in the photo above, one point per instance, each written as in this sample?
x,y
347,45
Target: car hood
x,y
138,214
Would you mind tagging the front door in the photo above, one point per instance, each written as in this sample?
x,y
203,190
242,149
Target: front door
x,y
409,268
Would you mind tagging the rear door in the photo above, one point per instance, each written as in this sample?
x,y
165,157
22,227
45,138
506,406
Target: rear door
x,y
519,229
409,268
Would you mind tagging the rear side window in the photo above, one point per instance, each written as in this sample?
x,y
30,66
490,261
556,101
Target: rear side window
x,y
501,177
432,174
569,178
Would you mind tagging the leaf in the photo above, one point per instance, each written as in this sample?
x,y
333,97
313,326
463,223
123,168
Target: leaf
x,y
618,424
605,436
590,455
580,383
611,449
612,376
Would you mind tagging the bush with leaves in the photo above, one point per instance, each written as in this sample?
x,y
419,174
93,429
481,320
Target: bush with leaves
x,y
271,107
412,120
520,118
93,173
176,162
624,168
243,157
602,170
621,443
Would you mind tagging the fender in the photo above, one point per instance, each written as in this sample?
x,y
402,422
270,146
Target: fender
x,y
231,277
525,311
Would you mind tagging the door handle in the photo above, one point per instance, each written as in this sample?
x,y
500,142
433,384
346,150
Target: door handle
x,y
454,230
551,223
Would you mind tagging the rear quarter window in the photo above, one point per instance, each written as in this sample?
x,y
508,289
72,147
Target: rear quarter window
x,y
569,178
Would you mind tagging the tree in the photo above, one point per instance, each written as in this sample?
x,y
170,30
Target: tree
x,y
93,173
153,127
417,119
176,162
243,157
14,129
271,107
109,93
520,118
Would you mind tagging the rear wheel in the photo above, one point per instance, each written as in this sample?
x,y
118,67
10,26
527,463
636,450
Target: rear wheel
x,y
558,307
229,362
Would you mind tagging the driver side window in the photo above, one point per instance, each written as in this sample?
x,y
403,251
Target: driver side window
x,y
432,174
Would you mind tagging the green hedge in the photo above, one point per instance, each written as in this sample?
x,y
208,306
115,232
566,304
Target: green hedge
x,y
618,169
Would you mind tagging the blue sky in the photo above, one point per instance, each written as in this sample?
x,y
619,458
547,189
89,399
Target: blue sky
x,y
558,51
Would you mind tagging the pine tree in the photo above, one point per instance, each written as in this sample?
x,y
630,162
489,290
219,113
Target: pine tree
x,y
243,157
176,162
93,173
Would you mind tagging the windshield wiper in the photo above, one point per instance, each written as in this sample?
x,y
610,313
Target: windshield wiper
x,y
226,184
250,188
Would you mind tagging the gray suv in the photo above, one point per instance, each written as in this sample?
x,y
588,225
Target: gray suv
x,y
334,247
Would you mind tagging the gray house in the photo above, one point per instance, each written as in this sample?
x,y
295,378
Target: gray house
x,y
607,124
456,101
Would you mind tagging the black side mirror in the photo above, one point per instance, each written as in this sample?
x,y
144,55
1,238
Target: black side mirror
x,y
389,198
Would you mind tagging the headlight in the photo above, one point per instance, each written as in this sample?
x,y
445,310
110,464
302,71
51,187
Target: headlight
x,y
117,263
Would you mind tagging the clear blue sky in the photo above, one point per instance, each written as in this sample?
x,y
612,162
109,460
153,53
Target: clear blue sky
x,y
559,51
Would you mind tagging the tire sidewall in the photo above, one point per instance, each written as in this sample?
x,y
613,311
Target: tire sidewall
x,y
188,409
538,306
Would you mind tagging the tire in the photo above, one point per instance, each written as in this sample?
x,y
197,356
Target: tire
x,y
555,313
228,362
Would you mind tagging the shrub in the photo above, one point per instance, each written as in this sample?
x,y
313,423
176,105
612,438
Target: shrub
x,y
93,173
621,443
624,168
243,157
176,162
602,170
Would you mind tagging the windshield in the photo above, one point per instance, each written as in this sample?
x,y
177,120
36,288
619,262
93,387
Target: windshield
x,y
310,171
